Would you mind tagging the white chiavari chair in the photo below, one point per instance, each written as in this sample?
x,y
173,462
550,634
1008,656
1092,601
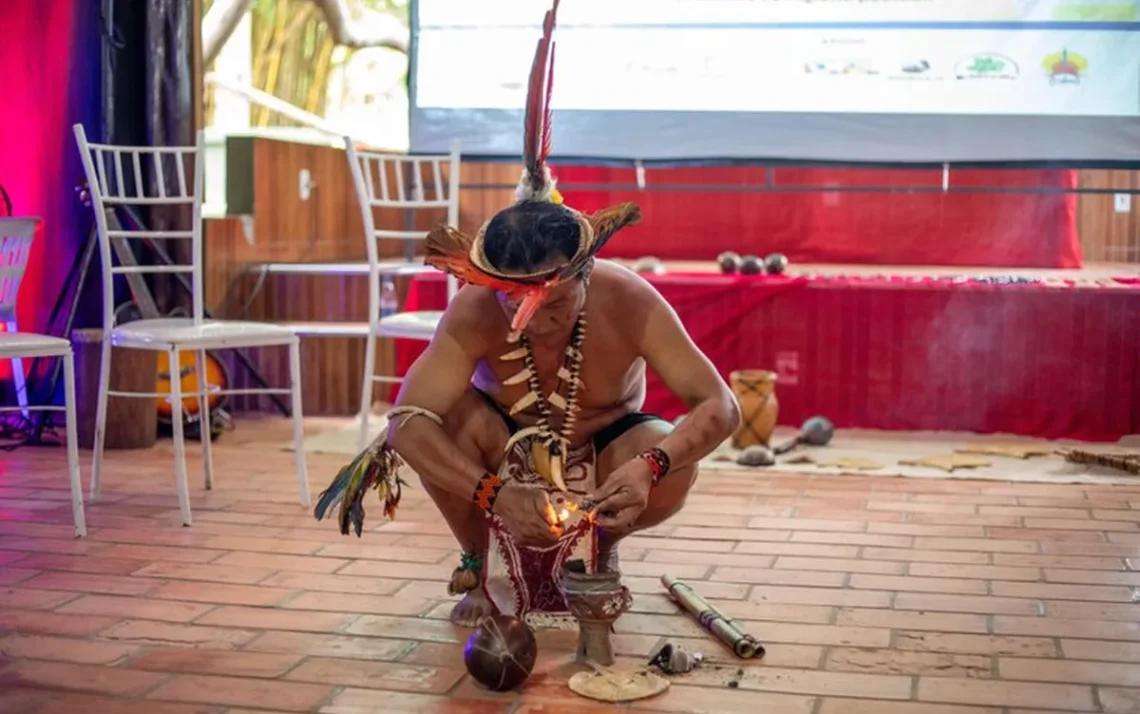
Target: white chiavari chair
x,y
15,249
16,236
409,183
117,176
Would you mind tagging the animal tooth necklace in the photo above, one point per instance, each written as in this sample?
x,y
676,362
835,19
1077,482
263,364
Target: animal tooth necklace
x,y
549,448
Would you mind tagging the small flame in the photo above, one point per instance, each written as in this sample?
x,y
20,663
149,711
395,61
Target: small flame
x,y
564,514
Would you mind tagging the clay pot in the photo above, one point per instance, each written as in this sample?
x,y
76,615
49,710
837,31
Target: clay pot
x,y
596,600
755,392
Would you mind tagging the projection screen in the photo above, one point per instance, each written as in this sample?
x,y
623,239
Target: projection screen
x,y
896,81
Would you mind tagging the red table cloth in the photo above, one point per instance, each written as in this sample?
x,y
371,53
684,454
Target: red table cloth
x,y
909,353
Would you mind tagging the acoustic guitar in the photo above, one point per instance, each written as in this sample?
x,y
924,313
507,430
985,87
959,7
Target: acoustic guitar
x,y
143,307
217,379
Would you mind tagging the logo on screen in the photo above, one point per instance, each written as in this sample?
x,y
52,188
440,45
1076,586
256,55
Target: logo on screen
x,y
840,66
1065,67
916,70
986,66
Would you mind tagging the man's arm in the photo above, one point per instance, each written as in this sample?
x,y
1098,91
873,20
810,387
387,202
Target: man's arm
x,y
436,382
670,352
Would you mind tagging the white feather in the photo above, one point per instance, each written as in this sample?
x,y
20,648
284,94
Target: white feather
x,y
528,192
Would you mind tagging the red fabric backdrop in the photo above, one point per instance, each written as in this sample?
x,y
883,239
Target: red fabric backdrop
x,y
49,55
1049,362
1012,228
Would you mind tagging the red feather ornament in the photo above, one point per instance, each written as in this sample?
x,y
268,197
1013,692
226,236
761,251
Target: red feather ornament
x,y
536,183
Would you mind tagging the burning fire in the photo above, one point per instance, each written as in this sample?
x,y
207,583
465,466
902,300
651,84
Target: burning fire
x,y
558,518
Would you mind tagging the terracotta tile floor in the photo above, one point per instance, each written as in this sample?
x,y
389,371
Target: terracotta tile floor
x,y
873,595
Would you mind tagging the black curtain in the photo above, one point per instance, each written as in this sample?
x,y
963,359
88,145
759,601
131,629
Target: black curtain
x,y
148,101
169,104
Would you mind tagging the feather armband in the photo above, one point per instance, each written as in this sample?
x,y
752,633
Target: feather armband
x,y
377,467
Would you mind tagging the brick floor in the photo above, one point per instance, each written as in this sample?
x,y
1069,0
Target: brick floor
x,y
873,595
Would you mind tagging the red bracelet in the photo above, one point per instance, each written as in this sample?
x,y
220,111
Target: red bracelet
x,y
658,462
486,491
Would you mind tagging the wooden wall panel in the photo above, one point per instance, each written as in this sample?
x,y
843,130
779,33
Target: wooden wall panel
x,y
331,367
327,228
1108,236
476,205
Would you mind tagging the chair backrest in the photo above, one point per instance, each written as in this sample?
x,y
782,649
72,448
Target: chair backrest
x,y
401,181
16,236
117,176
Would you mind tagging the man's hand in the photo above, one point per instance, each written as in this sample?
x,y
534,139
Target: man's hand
x,y
528,514
623,496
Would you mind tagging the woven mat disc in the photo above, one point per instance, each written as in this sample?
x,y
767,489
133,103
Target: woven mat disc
x,y
618,686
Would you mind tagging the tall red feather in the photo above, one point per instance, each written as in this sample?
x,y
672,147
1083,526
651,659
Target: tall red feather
x,y
547,112
536,127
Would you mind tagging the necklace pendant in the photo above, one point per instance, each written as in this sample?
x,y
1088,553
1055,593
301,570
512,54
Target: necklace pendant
x,y
525,401
549,458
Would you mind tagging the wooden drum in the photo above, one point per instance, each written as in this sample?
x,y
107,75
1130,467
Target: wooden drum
x,y
132,422
755,392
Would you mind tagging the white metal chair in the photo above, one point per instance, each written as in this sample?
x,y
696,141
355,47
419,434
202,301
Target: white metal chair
x,y
381,181
16,236
111,186
15,249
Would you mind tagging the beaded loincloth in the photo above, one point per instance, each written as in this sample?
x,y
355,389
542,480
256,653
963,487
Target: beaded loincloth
x,y
523,581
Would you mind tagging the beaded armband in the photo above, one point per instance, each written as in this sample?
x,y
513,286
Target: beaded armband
x,y
658,462
486,491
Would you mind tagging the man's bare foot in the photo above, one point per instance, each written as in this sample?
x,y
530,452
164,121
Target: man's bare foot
x,y
473,607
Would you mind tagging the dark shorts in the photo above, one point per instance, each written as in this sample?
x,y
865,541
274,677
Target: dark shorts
x,y
602,439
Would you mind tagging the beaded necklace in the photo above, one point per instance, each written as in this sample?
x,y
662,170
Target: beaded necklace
x,y
549,448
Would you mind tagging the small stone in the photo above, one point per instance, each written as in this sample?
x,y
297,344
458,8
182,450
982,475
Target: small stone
x,y
756,456
675,659
649,264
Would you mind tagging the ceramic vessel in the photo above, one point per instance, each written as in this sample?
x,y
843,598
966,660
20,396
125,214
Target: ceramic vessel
x,y
595,600
755,392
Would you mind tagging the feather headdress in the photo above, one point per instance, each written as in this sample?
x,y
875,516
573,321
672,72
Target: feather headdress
x,y
453,251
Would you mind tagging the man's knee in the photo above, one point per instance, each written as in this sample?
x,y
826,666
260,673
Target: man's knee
x,y
668,498
477,430
670,494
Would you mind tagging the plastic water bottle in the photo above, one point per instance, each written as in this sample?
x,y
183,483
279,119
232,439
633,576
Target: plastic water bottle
x,y
389,301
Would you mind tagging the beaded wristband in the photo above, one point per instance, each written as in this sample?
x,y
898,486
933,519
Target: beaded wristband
x,y
486,491
470,561
658,462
